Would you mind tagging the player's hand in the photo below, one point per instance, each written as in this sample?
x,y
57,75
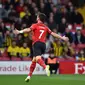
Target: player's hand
x,y
65,39
16,31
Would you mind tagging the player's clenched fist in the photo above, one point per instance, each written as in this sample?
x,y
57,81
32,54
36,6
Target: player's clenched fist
x,y
16,31
65,38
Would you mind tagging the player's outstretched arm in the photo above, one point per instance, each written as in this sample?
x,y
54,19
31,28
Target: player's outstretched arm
x,y
60,37
22,31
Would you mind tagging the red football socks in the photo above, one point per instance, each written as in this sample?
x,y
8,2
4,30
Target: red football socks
x,y
32,67
41,63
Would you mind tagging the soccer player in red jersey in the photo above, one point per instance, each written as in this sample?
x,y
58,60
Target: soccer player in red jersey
x,y
40,31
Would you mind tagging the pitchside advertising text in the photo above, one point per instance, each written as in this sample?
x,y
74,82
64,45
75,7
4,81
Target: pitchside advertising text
x,y
22,67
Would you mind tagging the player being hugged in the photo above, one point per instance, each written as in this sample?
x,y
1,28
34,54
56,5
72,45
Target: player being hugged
x,y
40,31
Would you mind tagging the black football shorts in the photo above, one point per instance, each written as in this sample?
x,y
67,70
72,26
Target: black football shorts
x,y
38,49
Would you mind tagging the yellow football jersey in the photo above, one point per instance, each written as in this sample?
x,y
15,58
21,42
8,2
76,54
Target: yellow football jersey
x,y
13,50
24,51
57,49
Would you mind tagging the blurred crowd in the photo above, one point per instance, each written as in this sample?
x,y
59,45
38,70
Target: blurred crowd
x,y
62,18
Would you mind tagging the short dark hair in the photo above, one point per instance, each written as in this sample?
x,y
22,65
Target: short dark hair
x,y
42,16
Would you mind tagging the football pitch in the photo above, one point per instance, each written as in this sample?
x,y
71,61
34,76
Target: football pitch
x,y
43,80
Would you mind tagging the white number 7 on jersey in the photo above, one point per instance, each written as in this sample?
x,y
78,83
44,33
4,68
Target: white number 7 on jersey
x,y
41,33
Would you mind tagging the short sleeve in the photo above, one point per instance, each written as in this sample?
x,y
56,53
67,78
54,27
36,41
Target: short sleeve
x,y
33,26
49,31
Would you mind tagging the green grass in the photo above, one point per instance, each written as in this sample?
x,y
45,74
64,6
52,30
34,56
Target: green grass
x,y
43,80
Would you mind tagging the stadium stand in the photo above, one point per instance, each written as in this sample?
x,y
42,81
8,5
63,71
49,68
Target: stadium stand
x,y
62,17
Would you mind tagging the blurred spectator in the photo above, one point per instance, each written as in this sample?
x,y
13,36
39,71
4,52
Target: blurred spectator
x,y
11,7
83,30
24,51
20,40
52,24
79,38
78,26
70,18
18,23
27,20
35,11
28,40
8,26
34,5
70,9
58,48
7,3
3,12
13,50
78,19
48,45
64,12
2,50
3,29
58,4
69,5
48,7
20,7
82,55
8,39
24,25
1,40
56,1
12,16
25,12
62,26
69,34
51,38
28,3
42,7
57,15
68,51
77,55
52,62
51,15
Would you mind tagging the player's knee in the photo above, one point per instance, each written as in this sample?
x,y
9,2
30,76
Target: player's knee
x,y
38,57
34,59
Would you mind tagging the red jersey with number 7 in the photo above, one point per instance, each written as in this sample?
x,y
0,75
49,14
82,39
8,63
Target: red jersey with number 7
x,y
40,31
